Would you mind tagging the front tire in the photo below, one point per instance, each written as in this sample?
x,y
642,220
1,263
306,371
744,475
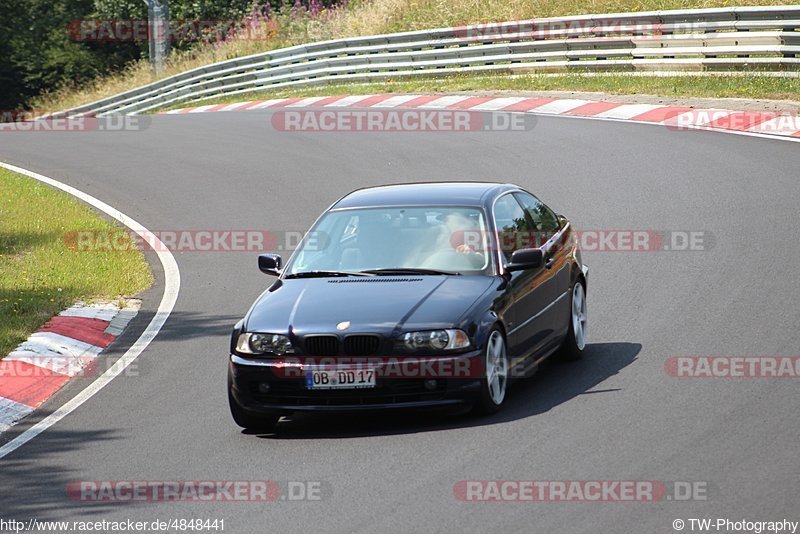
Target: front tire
x,y
574,344
494,384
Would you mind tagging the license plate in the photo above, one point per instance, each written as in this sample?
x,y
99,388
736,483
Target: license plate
x,y
336,378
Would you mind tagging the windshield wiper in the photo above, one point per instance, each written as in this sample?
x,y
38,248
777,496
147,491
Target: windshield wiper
x,y
324,274
409,270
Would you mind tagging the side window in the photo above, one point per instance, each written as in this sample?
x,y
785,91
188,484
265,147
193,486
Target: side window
x,y
544,220
513,227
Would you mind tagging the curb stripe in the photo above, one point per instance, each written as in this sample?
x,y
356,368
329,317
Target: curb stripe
x,y
30,373
261,104
395,101
741,120
373,100
250,105
626,111
592,108
231,107
57,353
283,102
528,104
493,104
470,103
420,100
557,107
91,331
203,109
698,117
347,101
328,100
306,102
59,344
104,312
28,384
781,127
69,366
660,114
444,102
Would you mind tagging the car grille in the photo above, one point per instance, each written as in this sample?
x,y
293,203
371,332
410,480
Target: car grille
x,y
321,345
353,345
358,345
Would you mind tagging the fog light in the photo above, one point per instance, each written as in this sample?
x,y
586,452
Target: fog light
x,y
263,387
430,384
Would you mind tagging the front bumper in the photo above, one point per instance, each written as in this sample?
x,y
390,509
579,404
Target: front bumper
x,y
287,389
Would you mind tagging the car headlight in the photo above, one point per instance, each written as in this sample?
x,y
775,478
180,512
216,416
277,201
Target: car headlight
x,y
276,344
451,339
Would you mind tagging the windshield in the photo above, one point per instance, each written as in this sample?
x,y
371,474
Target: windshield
x,y
450,239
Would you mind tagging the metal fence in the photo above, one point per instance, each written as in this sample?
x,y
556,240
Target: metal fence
x,y
740,38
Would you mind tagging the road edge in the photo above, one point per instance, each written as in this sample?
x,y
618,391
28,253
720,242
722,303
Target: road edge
x,y
172,282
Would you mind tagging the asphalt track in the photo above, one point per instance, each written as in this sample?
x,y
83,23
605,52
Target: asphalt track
x,y
616,415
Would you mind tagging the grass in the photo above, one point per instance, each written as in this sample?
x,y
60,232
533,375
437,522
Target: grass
x,y
745,86
39,274
361,17
422,14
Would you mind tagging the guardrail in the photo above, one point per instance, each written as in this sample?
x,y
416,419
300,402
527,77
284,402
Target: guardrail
x,y
740,38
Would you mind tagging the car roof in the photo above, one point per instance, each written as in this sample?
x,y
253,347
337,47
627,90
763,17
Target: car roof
x,y
424,194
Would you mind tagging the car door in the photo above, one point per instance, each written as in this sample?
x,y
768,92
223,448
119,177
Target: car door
x,y
557,267
529,291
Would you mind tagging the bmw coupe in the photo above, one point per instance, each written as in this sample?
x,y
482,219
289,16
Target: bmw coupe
x,y
407,296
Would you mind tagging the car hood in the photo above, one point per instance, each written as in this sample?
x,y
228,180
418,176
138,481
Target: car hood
x,y
379,304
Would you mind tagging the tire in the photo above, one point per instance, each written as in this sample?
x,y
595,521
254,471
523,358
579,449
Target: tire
x,y
574,344
250,421
494,384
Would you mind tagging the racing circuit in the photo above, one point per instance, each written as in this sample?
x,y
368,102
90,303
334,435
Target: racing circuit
x,y
615,415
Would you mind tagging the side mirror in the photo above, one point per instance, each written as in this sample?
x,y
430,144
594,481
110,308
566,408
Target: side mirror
x,y
526,258
269,264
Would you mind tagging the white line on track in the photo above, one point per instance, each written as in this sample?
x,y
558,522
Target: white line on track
x,y
172,284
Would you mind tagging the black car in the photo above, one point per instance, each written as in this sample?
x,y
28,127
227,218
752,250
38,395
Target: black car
x,y
412,295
